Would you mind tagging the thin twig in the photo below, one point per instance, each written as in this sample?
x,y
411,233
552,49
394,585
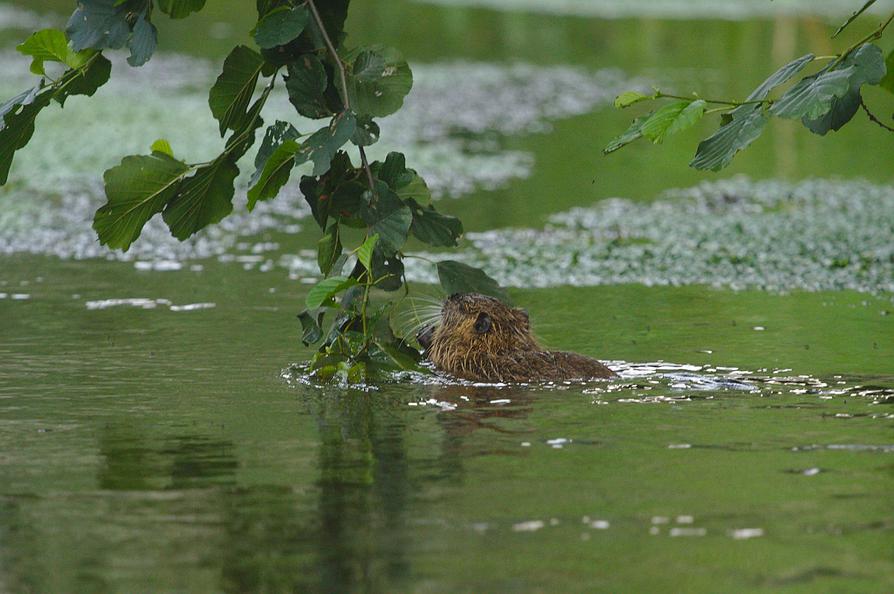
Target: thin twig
x,y
873,118
661,95
874,35
346,100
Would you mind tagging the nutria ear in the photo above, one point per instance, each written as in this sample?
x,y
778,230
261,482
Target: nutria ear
x,y
483,323
523,315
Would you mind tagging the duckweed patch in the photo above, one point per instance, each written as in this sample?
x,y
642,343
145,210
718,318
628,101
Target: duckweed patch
x,y
813,235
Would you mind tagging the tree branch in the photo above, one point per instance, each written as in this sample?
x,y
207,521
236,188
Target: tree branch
x,y
346,100
873,118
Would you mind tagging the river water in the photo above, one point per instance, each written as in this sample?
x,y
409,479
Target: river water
x,y
157,436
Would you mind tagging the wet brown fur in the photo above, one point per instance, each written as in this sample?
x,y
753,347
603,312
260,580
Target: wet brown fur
x,y
506,352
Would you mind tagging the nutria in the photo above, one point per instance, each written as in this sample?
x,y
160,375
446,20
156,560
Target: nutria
x,y
480,338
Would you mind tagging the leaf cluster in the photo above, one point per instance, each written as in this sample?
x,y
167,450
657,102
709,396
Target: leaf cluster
x,y
823,101
366,212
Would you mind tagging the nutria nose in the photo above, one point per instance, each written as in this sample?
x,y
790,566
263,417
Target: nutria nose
x,y
425,337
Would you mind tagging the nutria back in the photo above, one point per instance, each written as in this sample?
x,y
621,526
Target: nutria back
x,y
480,338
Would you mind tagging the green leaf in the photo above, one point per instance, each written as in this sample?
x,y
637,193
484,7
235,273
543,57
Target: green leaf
x,y
87,81
628,98
457,277
365,251
868,68
276,134
323,292
672,118
143,42
812,96
311,331
328,249
162,146
781,76
274,174
887,82
51,45
136,190
399,357
325,142
378,80
318,191
433,227
202,199
389,217
178,9
853,17
99,24
231,93
306,83
281,25
634,132
388,270
717,151
367,132
18,117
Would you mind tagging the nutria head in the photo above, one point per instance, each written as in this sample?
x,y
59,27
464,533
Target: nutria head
x,y
475,333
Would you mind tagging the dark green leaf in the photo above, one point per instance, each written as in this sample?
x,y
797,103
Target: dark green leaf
x,y
781,76
178,9
311,331
99,24
275,173
231,93
457,277
203,199
634,132
51,45
812,96
22,99
323,144
136,190
323,292
718,150
387,270
853,17
400,356
318,191
389,217
672,118
281,25
143,42
275,135
87,81
378,80
328,249
405,182
433,227
18,127
306,83
367,132
868,68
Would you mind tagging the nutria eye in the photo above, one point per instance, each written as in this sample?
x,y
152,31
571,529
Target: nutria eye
x,y
482,324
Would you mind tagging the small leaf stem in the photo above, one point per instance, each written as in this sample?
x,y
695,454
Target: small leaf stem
x,y
873,118
871,37
661,95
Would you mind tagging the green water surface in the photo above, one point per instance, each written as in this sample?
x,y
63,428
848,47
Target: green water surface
x,y
155,450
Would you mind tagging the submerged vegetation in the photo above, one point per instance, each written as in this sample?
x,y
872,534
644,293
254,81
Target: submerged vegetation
x,y
824,101
366,212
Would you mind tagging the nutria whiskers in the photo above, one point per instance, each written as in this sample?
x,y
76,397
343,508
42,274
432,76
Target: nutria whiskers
x,y
480,338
